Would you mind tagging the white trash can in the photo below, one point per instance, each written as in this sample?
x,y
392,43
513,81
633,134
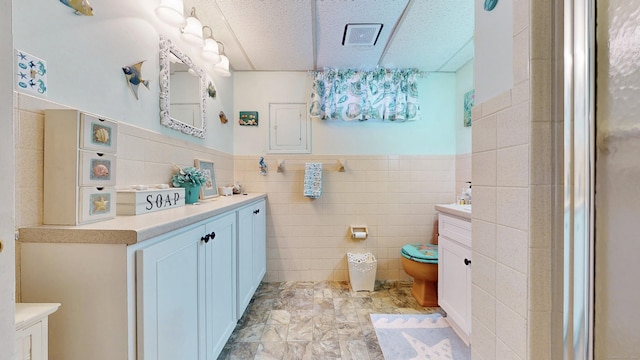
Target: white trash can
x,y
362,271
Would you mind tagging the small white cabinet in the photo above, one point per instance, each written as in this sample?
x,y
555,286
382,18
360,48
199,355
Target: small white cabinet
x,y
454,272
32,330
79,167
252,257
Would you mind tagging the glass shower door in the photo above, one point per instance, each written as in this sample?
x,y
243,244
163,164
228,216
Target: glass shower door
x,y
617,181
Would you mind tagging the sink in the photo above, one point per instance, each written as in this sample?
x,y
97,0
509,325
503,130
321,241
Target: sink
x,y
456,209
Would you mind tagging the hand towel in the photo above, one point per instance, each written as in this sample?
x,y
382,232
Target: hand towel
x,y
312,180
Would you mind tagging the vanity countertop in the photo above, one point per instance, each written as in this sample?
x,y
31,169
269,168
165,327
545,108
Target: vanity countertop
x,y
463,211
28,314
136,228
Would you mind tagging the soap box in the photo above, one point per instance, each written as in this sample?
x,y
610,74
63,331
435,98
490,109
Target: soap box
x,y
136,202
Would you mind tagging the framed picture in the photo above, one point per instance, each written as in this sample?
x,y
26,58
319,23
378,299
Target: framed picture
x,y
469,101
210,188
249,118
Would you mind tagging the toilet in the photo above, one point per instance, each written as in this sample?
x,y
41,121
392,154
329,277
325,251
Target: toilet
x,y
420,261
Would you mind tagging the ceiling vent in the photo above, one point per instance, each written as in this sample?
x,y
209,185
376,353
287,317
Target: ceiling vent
x,y
361,34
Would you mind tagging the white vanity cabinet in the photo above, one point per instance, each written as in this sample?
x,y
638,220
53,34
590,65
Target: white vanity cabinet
x,y
252,256
32,330
454,272
161,285
186,292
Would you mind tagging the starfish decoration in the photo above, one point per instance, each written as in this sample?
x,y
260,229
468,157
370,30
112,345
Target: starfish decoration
x,y
100,204
441,350
22,56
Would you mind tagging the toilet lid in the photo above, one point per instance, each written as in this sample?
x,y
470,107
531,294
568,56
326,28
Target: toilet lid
x,y
424,253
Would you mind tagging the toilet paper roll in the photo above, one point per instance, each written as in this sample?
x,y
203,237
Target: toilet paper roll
x,y
359,235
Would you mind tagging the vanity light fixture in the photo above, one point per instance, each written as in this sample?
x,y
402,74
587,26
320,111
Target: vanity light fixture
x,y
210,51
222,67
192,32
171,12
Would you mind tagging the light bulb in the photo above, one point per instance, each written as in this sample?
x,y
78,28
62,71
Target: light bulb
x,y
210,51
192,32
222,67
171,12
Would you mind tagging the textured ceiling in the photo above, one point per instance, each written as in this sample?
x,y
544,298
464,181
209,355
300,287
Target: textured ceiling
x,y
293,35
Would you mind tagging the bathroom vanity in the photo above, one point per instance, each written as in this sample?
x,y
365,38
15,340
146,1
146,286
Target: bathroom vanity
x,y
169,284
32,330
454,266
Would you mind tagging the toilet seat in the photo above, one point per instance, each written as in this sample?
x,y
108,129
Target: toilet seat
x,y
423,253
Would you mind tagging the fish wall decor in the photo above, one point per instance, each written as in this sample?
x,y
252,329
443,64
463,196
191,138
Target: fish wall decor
x,y
211,90
223,117
81,7
490,4
133,74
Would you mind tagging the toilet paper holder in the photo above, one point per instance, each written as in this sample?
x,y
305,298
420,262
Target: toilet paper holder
x,y
359,232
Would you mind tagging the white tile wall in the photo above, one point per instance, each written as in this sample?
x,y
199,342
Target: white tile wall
x,y
511,329
483,339
515,205
395,196
463,171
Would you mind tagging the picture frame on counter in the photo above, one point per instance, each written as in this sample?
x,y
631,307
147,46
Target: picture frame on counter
x,y
210,188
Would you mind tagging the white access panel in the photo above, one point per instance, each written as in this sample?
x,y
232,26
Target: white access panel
x,y
289,129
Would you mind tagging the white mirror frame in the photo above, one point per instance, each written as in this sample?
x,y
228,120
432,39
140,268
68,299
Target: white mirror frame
x,y
167,47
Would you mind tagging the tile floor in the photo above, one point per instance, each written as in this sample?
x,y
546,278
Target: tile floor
x,y
316,320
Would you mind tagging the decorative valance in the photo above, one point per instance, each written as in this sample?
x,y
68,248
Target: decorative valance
x,y
349,95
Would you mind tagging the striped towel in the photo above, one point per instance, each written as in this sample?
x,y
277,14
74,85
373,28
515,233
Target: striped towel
x,y
312,180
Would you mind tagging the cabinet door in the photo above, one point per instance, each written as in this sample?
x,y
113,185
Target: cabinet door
x,y
171,313
259,243
252,257
454,275
220,282
29,343
245,258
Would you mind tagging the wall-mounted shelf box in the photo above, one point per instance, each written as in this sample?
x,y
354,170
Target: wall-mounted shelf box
x,y
79,167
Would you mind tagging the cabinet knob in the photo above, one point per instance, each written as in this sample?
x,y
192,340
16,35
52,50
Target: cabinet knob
x,y
467,262
205,238
212,235
256,211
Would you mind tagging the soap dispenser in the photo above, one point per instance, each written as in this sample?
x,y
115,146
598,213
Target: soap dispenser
x,y
467,194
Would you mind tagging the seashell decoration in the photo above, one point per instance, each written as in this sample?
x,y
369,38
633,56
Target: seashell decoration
x,y
100,171
101,135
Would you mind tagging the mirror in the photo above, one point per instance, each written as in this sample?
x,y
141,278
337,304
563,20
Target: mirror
x,y
182,91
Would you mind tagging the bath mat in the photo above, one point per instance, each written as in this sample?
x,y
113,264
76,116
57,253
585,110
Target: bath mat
x,y
418,336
